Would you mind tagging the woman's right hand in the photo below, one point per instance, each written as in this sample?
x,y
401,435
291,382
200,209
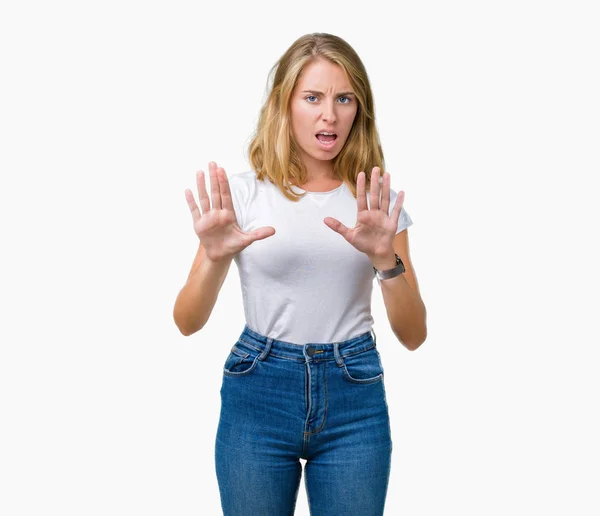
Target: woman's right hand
x,y
217,227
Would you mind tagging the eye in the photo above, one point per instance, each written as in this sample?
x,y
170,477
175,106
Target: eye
x,y
349,100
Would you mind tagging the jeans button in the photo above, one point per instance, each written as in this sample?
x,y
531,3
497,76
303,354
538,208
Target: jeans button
x,y
310,351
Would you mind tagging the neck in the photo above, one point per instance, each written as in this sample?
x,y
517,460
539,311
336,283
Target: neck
x,y
318,170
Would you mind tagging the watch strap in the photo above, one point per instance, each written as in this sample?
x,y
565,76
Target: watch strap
x,y
391,273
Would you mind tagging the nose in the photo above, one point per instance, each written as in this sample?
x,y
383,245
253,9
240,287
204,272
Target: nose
x,y
329,112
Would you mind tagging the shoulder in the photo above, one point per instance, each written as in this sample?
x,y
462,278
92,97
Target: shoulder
x,y
242,184
242,178
241,187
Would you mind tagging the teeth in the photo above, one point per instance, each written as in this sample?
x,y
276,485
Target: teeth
x,y
327,134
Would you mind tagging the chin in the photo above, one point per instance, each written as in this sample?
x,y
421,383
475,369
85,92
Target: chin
x,y
325,156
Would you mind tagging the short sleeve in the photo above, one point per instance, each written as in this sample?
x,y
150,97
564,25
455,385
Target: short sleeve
x,y
404,220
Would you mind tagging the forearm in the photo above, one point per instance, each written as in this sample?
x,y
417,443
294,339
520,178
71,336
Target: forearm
x,y
405,309
197,298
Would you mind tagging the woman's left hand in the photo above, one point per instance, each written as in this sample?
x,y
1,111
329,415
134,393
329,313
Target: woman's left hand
x,y
375,230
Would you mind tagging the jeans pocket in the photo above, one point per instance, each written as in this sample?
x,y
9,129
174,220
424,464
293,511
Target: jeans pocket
x,y
364,367
242,360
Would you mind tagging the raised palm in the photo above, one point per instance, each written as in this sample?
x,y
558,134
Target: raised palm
x,y
217,226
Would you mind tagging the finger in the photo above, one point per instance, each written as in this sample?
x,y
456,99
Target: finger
x,y
336,225
375,188
385,195
361,198
202,195
215,192
189,197
261,233
226,201
397,207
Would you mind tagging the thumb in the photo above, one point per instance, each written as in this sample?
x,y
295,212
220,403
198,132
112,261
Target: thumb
x,y
261,233
336,225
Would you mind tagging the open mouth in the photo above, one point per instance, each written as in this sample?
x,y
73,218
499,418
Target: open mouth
x,y
326,140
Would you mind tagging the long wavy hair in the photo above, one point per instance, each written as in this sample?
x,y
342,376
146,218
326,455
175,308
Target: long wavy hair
x,y
273,152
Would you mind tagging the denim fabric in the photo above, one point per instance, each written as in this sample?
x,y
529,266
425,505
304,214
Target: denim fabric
x,y
322,402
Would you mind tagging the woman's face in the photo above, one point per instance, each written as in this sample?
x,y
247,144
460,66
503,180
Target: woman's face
x,y
322,101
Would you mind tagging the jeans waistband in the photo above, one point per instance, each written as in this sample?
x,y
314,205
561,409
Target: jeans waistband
x,y
309,351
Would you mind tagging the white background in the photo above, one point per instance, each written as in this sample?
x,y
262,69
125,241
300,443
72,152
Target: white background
x,y
489,118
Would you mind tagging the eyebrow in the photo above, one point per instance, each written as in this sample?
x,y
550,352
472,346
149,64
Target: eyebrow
x,y
321,93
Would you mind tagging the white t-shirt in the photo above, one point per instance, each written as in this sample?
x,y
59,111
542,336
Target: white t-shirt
x,y
305,283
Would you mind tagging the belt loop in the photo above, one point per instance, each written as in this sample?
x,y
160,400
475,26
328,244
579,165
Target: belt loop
x,y
336,354
374,336
267,349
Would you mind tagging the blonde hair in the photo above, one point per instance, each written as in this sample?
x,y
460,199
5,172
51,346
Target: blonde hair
x,y
272,151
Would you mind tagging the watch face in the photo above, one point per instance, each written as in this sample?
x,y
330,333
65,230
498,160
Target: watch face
x,y
399,262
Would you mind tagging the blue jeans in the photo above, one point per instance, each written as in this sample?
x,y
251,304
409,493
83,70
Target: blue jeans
x,y
324,403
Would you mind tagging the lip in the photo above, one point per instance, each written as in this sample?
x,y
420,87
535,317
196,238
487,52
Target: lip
x,y
327,145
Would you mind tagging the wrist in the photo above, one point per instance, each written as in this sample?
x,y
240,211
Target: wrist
x,y
384,262
392,272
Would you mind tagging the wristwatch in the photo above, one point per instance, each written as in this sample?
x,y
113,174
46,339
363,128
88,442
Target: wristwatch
x,y
390,273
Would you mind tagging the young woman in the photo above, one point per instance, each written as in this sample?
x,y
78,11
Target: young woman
x,y
309,227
